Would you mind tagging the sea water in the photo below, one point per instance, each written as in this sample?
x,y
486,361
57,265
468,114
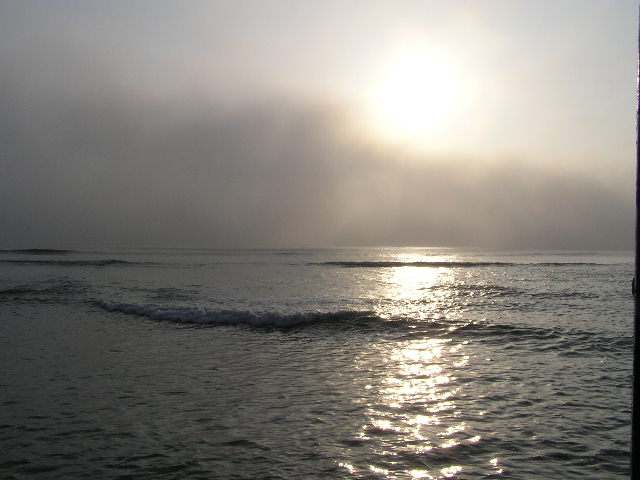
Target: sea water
x,y
372,363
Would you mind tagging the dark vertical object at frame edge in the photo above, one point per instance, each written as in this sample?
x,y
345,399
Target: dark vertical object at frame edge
x,y
635,413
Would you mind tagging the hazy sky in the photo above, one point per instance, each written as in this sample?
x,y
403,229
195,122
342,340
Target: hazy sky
x,y
496,123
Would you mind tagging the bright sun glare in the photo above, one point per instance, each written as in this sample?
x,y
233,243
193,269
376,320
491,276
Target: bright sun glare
x,y
416,96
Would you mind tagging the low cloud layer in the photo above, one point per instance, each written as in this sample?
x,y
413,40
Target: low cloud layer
x,y
90,168
225,124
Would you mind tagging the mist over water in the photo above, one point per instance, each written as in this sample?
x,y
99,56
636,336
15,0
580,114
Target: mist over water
x,y
274,175
194,142
334,363
252,127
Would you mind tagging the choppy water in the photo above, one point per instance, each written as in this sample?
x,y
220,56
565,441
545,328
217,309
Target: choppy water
x,y
302,364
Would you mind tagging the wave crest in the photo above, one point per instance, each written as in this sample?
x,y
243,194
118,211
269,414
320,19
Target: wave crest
x,y
230,317
72,263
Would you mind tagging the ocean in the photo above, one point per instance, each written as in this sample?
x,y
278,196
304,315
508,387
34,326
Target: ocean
x,y
344,363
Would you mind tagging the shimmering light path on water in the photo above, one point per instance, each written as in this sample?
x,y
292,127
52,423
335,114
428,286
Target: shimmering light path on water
x,y
315,364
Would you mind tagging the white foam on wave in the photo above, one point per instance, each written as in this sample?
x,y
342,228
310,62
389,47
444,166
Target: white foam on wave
x,y
227,317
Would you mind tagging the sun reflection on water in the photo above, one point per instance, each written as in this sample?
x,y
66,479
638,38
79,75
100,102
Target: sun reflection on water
x,y
414,420
417,291
415,405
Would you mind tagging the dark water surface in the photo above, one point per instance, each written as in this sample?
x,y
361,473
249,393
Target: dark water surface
x,y
344,363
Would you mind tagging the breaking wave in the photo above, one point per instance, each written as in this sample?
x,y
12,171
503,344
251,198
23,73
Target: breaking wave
x,y
203,316
561,340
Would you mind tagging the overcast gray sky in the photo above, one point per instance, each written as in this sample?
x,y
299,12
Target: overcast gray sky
x,y
496,123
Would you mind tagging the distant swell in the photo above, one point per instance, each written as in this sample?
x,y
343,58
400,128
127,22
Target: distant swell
x,y
38,251
412,264
229,317
48,291
563,341
382,264
71,263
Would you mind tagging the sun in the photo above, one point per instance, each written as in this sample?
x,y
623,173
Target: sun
x,y
415,97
